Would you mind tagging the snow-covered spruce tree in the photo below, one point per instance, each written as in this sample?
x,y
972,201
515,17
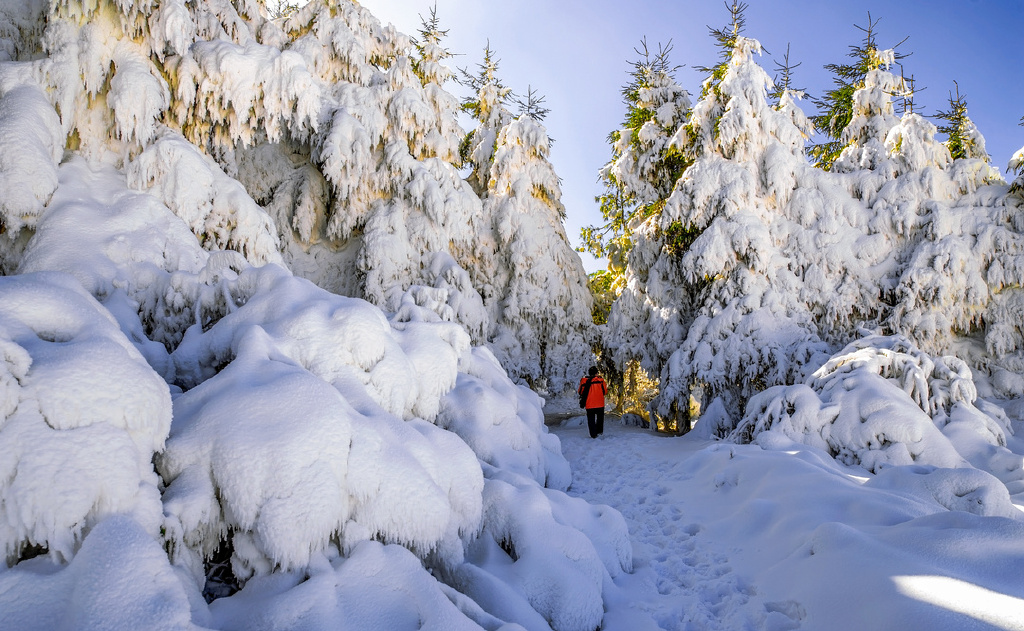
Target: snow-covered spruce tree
x,y
638,179
643,169
962,136
1017,166
540,307
947,244
836,107
382,211
740,282
488,106
946,249
429,64
543,326
316,440
955,243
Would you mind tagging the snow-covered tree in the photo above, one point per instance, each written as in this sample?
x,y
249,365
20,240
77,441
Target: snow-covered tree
x,y
643,169
1017,166
442,141
539,306
760,266
487,105
710,302
962,136
837,106
543,323
862,143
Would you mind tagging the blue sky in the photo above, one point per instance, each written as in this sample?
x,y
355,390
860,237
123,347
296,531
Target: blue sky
x,y
577,52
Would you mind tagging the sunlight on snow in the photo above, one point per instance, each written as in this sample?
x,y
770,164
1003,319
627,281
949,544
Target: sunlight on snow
x,y
1005,612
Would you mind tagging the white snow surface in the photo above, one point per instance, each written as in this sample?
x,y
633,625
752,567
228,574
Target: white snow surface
x,y
784,537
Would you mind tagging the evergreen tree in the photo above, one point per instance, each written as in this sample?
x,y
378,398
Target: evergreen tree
x,y
542,329
786,96
783,79
703,305
836,107
962,137
429,65
643,168
536,289
1017,166
532,105
725,39
487,106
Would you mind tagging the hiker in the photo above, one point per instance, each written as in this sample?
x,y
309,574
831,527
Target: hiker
x,y
592,390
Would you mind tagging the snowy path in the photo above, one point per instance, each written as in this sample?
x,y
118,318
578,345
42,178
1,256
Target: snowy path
x,y
682,578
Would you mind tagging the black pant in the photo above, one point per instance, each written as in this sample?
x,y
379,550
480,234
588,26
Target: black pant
x,y
595,421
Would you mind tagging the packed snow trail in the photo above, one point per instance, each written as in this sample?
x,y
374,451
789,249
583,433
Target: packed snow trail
x,y
683,577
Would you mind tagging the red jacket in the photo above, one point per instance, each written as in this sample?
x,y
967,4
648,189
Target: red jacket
x,y
595,396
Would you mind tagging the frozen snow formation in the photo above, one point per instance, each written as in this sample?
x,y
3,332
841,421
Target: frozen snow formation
x,y
190,420
761,266
882,403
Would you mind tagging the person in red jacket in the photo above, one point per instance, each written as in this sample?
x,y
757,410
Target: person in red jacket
x,y
592,390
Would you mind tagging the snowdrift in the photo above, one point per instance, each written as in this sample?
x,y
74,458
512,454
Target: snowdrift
x,y
912,419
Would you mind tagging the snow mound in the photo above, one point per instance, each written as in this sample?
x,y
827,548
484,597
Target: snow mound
x,y
968,490
376,588
81,415
503,423
882,402
798,514
543,558
120,579
321,453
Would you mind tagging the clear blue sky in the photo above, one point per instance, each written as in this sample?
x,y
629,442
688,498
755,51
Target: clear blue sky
x,y
576,53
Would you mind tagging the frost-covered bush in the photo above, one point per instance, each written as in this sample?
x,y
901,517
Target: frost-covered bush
x,y
882,402
541,555
81,416
968,490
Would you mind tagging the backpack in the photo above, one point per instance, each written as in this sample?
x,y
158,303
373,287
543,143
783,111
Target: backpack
x,y
586,391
